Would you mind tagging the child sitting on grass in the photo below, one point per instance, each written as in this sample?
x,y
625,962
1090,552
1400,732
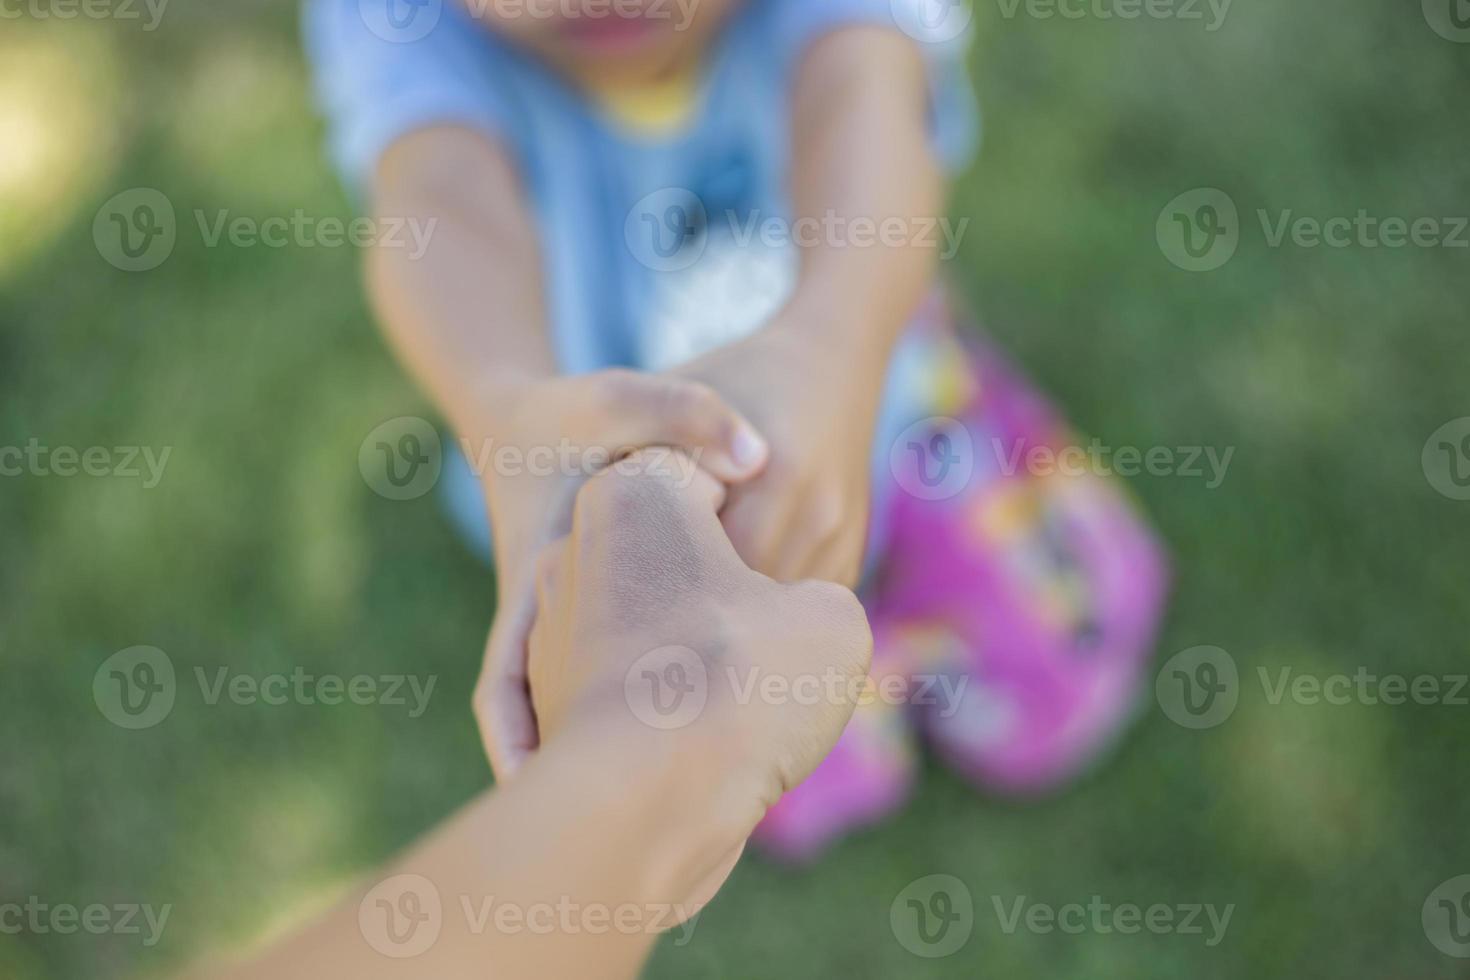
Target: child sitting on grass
x,y
606,175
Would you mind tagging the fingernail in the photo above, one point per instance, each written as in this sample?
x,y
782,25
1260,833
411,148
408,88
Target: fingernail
x,y
747,449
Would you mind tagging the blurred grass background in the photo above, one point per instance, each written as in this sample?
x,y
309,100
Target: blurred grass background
x,y
262,549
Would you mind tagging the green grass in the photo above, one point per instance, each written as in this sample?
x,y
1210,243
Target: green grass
x,y
1326,549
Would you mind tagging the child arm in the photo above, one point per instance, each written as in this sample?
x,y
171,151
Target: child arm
x,y
468,318
812,379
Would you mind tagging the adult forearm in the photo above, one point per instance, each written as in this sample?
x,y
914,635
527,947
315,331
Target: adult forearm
x,y
570,870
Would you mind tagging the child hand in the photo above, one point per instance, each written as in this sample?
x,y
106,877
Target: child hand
x,y
561,430
806,514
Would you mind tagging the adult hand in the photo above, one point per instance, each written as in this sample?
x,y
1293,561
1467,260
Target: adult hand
x,y
647,609
550,435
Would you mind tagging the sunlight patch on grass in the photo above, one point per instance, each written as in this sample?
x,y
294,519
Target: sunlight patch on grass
x,y
263,152
286,822
1279,385
58,131
1306,780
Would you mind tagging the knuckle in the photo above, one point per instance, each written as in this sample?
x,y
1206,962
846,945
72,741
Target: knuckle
x,y
689,405
841,617
618,390
613,495
700,415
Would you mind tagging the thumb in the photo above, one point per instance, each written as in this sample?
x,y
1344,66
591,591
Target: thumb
x,y
502,701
